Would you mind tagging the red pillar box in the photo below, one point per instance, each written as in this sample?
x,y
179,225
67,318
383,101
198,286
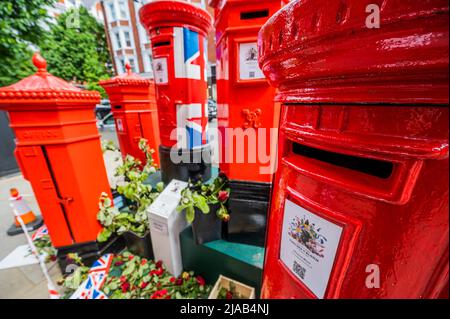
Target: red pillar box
x,y
177,32
58,151
247,114
134,109
360,206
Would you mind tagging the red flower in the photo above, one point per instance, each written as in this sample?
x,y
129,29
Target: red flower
x,y
144,284
123,279
200,280
53,258
172,279
118,263
125,286
159,294
222,196
130,257
158,264
226,217
157,272
143,261
179,282
158,284
229,295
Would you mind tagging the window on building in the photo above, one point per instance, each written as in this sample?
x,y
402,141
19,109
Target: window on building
x,y
119,44
123,9
132,64
127,39
112,10
122,65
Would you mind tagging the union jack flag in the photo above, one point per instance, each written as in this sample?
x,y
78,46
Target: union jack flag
x,y
192,119
90,288
187,57
40,232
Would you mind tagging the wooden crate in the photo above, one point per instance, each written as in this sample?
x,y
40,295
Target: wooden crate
x,y
244,290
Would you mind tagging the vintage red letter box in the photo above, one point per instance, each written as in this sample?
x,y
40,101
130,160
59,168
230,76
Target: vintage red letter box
x,y
360,201
177,32
247,115
133,106
58,151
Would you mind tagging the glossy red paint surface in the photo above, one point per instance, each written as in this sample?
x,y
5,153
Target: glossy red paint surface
x,y
133,104
162,20
242,103
58,151
373,94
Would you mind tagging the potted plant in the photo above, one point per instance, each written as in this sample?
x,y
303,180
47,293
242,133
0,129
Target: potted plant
x,y
131,222
205,207
226,288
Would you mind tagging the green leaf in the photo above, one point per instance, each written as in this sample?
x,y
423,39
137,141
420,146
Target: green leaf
x,y
104,234
200,203
190,214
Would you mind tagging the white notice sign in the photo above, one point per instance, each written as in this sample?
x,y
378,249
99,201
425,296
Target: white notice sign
x,y
160,70
308,246
248,62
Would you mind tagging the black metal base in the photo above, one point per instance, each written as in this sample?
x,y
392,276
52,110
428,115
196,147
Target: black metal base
x,y
89,252
15,230
194,167
206,227
141,246
248,205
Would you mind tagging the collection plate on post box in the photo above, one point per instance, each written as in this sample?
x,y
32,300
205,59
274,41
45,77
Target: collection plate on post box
x,y
160,69
248,62
308,246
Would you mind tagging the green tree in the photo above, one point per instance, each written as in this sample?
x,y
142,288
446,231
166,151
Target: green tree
x,y
76,49
21,26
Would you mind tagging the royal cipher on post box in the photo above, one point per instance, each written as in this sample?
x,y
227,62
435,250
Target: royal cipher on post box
x,y
360,203
177,32
247,114
133,106
58,150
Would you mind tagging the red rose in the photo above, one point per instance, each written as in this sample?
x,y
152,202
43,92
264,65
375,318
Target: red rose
x,y
143,262
158,264
123,278
200,280
53,258
229,295
222,196
118,263
130,257
179,282
125,286
226,217
158,284
172,279
159,271
144,284
168,297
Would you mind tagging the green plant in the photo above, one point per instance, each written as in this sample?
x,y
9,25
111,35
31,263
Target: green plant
x,y
231,293
131,277
72,281
44,246
140,195
202,195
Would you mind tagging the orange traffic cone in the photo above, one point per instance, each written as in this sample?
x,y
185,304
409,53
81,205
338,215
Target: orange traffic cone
x,y
19,205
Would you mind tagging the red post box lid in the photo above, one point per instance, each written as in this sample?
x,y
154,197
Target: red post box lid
x,y
334,51
126,79
46,89
169,13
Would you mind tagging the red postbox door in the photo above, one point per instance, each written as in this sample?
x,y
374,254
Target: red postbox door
x,y
360,201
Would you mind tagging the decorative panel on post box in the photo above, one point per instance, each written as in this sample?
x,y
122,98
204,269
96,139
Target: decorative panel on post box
x,y
360,203
59,153
177,31
133,106
246,113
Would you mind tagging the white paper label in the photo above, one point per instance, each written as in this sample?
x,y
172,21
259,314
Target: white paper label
x,y
308,246
248,62
160,227
119,125
160,70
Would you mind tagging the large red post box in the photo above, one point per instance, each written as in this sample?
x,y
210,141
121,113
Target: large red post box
x,y
58,151
133,104
360,201
178,32
247,116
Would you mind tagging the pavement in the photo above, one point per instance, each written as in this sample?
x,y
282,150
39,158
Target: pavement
x,y
28,282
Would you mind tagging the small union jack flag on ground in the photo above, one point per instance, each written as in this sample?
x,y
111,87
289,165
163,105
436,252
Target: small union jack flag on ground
x,y
40,232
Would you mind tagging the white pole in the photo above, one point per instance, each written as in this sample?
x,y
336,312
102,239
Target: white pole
x,y
50,285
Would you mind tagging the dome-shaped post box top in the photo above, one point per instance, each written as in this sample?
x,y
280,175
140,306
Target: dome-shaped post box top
x,y
44,89
126,79
326,50
170,13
